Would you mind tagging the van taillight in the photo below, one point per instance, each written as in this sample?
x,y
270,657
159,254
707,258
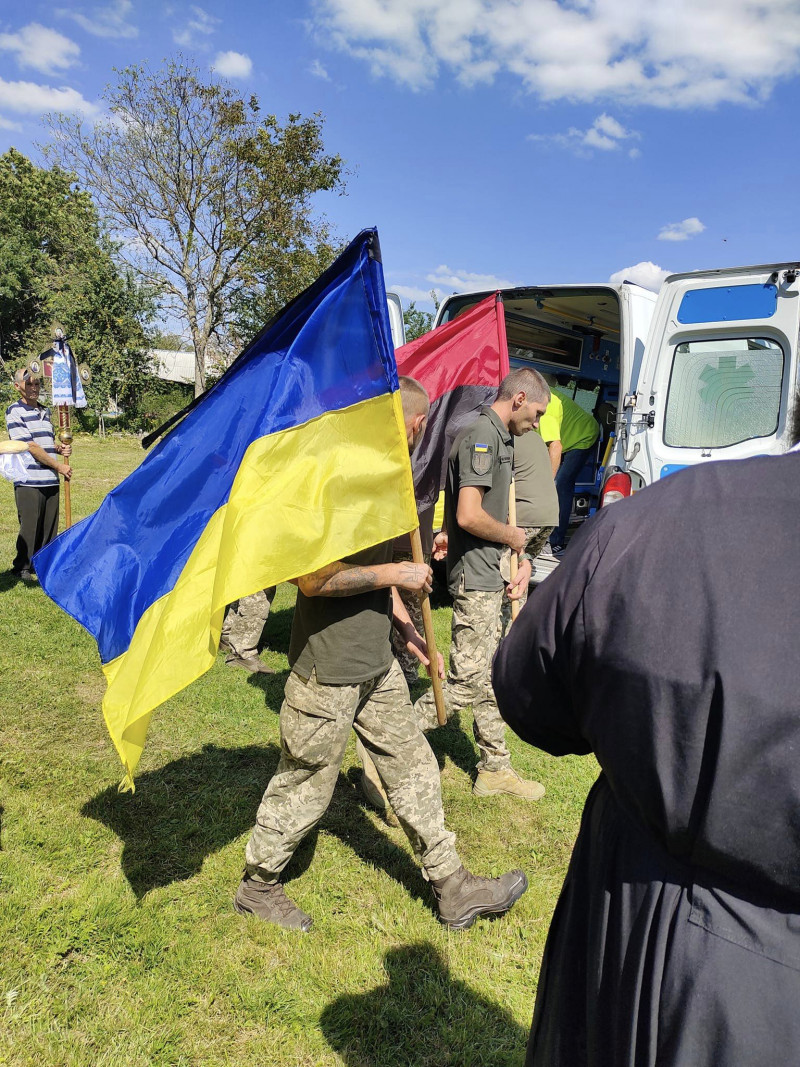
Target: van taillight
x,y
617,487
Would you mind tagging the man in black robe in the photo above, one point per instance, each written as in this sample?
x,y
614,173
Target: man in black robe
x,y
666,644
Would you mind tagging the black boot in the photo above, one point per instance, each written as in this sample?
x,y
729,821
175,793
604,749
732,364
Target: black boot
x,y
463,896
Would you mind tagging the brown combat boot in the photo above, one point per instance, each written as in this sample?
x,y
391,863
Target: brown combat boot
x,y
494,783
268,901
463,896
253,664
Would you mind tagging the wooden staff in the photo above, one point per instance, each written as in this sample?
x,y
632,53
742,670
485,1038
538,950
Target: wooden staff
x,y
430,637
512,521
65,437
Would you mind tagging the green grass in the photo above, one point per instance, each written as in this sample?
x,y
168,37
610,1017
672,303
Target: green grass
x,y
119,943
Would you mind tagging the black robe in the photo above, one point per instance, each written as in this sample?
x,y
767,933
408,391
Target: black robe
x,y
667,644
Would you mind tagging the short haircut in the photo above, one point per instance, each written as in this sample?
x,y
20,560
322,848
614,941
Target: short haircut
x,y
414,396
23,374
524,380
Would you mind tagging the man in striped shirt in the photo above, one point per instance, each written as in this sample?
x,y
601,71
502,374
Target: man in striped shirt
x,y
37,495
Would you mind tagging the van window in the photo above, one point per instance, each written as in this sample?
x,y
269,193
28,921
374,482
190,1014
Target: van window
x,y
722,392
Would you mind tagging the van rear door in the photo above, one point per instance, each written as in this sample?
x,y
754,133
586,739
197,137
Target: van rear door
x,y
719,369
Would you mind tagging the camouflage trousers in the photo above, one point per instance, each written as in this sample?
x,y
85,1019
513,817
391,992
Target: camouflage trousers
x,y
244,623
407,660
316,721
475,636
535,540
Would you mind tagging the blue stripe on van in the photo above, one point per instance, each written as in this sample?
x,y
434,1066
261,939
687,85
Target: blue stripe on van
x,y
729,303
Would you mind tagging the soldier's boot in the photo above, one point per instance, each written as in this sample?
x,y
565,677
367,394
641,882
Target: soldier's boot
x,y
463,896
372,786
268,902
250,663
494,783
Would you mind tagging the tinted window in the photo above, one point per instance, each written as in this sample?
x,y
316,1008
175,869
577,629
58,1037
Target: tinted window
x,y
722,392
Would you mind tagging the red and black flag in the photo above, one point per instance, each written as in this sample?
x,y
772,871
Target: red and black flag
x,y
461,364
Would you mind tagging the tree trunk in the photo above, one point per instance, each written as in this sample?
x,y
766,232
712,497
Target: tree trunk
x,y
199,366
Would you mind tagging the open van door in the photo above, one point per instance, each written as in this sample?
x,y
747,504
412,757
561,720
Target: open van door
x,y
396,322
719,370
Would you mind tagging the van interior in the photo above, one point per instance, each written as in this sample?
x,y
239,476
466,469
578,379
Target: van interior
x,y
572,332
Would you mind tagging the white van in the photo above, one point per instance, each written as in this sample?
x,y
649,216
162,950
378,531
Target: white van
x,y
718,375
592,337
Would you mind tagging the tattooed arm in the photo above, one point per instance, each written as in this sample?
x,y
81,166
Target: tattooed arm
x,y
346,579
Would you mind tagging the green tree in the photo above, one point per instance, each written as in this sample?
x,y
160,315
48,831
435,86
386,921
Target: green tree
x,y
209,197
58,266
416,321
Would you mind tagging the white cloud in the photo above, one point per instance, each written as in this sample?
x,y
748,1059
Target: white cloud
x,y
443,281
319,71
463,281
198,26
27,98
681,231
233,65
407,293
41,48
605,134
108,21
8,124
665,53
647,274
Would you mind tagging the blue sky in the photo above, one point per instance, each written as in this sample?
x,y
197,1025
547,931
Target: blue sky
x,y
492,142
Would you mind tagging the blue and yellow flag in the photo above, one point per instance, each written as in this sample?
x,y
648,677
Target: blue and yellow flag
x,y
295,458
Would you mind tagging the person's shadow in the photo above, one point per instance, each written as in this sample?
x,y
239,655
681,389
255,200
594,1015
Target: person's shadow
x,y
196,805
422,1016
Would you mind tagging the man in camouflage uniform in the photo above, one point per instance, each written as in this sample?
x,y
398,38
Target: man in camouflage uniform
x,y
243,629
476,513
344,677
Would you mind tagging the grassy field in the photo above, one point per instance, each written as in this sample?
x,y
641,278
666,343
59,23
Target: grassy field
x,y
119,943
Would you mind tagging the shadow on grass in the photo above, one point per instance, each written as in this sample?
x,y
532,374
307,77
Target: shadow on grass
x,y
450,739
278,630
196,805
8,580
421,1017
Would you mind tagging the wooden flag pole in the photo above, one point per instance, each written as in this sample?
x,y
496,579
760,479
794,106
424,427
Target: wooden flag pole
x,y
430,637
65,437
512,521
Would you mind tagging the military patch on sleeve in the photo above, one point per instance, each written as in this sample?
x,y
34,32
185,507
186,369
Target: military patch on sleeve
x,y
481,458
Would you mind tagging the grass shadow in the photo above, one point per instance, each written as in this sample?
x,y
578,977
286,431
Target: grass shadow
x,y
354,823
278,629
194,806
423,1017
185,811
271,685
451,739
8,580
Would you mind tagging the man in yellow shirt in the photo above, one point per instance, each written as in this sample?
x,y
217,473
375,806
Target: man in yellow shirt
x,y
570,434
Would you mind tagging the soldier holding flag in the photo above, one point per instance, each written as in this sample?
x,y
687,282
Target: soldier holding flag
x,y
344,677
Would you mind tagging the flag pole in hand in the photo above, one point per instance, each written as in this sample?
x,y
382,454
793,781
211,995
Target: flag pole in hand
x,y
512,521
430,637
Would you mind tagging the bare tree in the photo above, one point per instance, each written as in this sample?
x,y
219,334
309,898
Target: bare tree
x,y
206,195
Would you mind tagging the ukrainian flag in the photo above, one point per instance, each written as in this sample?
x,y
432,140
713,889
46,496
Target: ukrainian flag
x,y
295,458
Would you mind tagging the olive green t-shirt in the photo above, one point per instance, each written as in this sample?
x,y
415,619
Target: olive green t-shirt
x,y
345,638
535,487
481,456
